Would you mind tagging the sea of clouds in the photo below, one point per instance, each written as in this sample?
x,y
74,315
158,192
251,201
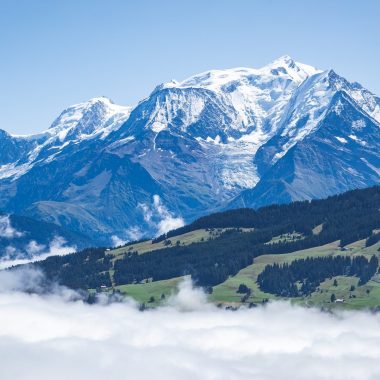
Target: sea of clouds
x,y
58,336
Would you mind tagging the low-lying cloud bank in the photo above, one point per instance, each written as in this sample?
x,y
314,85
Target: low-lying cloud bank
x,y
46,337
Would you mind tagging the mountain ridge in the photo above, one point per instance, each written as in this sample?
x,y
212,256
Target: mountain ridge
x,y
219,139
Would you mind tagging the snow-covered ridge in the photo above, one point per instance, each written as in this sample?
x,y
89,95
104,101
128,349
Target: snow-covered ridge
x,y
252,101
96,118
216,80
250,106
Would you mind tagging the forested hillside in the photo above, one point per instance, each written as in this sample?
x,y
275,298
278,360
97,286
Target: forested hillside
x,y
231,241
303,276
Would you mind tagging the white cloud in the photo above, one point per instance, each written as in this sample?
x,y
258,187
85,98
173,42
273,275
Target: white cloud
x,y
10,251
20,280
34,248
35,252
134,233
58,247
189,298
45,337
168,224
6,229
116,241
131,234
159,217
147,213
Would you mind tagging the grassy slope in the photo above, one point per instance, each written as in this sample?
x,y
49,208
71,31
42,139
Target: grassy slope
x,y
185,239
143,292
226,292
366,296
286,238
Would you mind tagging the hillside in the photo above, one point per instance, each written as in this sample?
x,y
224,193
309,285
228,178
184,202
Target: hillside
x,y
225,250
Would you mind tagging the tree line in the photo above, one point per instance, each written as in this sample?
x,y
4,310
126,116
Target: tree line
x,y
345,217
303,276
87,269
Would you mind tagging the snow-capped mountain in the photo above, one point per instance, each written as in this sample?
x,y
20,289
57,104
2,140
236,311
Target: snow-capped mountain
x,y
223,138
97,117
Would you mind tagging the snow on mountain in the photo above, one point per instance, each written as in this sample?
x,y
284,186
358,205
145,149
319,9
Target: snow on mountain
x,y
335,157
96,117
218,139
254,95
307,108
219,80
230,113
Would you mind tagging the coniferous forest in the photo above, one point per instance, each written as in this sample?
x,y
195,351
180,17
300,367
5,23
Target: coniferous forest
x,y
346,218
302,277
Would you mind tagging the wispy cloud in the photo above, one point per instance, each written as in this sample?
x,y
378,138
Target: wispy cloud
x,y
50,338
7,230
131,234
116,241
35,252
158,219
167,220
158,216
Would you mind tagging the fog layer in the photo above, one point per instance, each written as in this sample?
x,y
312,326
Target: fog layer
x,y
50,337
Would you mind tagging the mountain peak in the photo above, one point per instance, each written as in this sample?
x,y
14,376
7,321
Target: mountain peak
x,y
284,66
285,60
86,105
287,65
99,99
87,118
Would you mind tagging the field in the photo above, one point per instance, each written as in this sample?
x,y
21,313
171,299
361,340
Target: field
x,y
185,239
364,296
347,289
286,238
143,293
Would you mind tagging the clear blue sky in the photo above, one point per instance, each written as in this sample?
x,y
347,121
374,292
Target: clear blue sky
x,y
57,53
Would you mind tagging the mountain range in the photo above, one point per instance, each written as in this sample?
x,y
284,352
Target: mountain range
x,y
221,139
